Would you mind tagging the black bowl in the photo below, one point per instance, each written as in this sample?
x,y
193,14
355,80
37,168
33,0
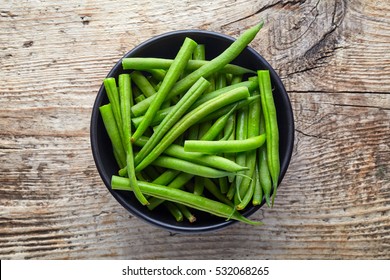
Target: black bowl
x,y
166,46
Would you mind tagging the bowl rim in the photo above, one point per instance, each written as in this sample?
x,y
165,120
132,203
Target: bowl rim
x,y
99,163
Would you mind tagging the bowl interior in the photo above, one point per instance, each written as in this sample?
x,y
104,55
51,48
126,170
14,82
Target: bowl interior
x,y
166,46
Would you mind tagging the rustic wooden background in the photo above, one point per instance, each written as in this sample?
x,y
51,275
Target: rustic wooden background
x,y
333,56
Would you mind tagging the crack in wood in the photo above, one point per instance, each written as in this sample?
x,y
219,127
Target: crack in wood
x,y
303,70
7,14
312,135
361,106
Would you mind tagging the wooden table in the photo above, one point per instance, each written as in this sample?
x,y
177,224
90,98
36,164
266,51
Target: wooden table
x,y
332,55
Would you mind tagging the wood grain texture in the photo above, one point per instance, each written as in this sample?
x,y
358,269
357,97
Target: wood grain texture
x,y
332,55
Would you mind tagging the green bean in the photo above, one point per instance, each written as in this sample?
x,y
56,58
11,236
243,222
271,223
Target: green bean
x,y
246,187
211,88
174,210
125,97
228,146
253,129
199,54
154,83
186,198
229,78
113,133
190,119
142,83
189,167
251,85
136,91
254,117
139,98
217,126
198,185
241,134
169,81
186,212
160,115
220,81
231,125
166,177
205,126
247,197
148,63
237,106
271,128
113,97
214,190
236,79
228,132
223,184
204,71
177,183
193,132
158,74
173,117
257,192
265,177
232,190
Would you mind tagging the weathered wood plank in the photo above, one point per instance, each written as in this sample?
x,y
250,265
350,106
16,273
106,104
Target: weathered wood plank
x,y
334,202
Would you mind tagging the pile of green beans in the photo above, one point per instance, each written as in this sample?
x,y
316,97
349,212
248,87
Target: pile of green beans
x,y
189,133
